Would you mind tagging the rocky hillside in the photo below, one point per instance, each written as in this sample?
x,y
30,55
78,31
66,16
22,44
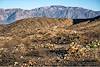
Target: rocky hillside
x,y
28,26
11,15
50,42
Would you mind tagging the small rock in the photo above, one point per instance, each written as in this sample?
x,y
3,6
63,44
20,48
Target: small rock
x,y
15,63
21,57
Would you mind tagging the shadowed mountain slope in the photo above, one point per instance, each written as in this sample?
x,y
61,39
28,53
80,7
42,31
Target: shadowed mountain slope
x,y
76,21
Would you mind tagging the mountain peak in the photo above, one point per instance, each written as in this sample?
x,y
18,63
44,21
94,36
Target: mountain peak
x,y
57,6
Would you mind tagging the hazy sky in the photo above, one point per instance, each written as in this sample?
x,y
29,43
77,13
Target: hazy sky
x,y
30,4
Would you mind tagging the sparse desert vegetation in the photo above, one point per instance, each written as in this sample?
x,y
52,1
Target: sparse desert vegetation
x,y
50,42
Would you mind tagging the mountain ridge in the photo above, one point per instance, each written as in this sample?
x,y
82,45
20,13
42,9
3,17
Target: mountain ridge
x,y
54,11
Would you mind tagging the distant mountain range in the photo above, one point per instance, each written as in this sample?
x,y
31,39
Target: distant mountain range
x,y
10,15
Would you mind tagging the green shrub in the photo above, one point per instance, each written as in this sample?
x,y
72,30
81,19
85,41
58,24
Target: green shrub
x,y
94,44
